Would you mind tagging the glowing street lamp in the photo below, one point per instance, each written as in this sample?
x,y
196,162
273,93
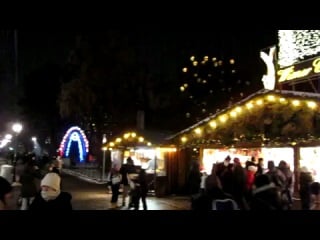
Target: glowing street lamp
x,y
8,137
17,128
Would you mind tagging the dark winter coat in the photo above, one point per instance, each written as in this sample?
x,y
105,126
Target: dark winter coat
x,y
266,198
124,170
28,181
62,202
204,202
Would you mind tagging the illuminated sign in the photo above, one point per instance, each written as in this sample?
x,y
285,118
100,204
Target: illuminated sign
x,y
297,45
306,69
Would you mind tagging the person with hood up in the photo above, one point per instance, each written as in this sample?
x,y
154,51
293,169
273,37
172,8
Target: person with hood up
x,y
50,196
265,195
305,181
5,194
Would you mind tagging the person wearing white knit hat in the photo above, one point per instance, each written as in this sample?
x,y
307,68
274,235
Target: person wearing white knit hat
x,y
51,197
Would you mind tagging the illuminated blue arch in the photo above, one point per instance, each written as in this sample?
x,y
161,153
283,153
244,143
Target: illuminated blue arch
x,y
74,134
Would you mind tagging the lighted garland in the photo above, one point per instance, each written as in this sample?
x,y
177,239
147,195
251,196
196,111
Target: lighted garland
x,y
129,139
261,119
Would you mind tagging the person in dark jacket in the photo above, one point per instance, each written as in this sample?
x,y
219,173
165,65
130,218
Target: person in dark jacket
x,y
29,187
50,196
142,190
126,169
194,179
265,196
305,181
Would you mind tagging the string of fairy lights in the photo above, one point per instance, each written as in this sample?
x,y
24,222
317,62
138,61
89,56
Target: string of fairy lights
x,y
198,130
129,138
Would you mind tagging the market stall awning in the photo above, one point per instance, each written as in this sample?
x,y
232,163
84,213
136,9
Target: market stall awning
x,y
137,138
277,116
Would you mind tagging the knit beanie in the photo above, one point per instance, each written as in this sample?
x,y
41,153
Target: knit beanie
x,y
51,180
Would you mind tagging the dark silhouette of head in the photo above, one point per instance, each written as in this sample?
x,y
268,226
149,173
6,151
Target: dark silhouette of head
x,y
130,161
262,180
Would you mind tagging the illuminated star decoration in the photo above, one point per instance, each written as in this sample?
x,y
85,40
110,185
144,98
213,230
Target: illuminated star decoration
x,y
74,134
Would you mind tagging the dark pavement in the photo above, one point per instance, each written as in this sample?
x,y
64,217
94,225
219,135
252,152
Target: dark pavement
x,y
92,196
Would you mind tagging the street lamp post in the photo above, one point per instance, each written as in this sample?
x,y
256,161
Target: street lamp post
x,y
104,149
17,127
104,163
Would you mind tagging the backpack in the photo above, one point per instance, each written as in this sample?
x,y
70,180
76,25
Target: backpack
x,y
224,204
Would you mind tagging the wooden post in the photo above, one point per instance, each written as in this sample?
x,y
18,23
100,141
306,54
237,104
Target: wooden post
x,y
296,157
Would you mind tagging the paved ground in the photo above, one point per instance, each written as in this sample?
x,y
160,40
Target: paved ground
x,y
93,196
89,194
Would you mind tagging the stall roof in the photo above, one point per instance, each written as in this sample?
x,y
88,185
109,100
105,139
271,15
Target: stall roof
x,y
135,137
284,93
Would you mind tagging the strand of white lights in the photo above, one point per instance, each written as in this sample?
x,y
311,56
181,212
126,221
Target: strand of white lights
x,y
295,45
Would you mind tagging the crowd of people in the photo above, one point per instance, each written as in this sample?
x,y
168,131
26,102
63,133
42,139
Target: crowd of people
x,y
40,187
133,182
232,186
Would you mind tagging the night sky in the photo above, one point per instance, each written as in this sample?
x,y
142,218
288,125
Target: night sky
x,y
160,46
163,51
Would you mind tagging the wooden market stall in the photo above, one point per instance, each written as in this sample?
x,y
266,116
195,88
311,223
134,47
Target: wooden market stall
x,y
271,124
148,150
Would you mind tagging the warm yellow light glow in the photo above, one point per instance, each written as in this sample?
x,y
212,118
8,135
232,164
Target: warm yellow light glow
x,y
185,85
231,61
110,149
163,149
197,131
214,59
249,105
233,114
127,135
213,124
259,102
220,62
215,64
118,140
296,103
204,81
185,69
195,63
133,134
141,139
238,109
183,139
311,104
149,143
282,100
126,153
206,58
182,88
104,148
223,118
271,98
192,58
111,144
